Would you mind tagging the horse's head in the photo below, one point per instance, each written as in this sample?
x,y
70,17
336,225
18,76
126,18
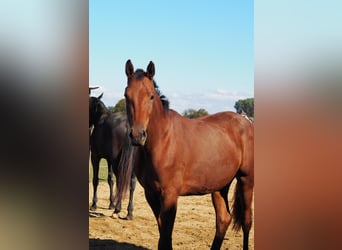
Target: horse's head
x,y
140,94
96,107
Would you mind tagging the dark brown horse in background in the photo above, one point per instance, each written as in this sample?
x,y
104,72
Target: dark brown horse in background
x,y
179,156
107,141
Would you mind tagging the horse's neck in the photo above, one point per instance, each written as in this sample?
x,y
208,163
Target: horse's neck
x,y
102,116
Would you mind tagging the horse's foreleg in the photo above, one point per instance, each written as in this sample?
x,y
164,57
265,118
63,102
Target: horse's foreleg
x,y
154,201
95,162
110,183
166,220
130,203
223,218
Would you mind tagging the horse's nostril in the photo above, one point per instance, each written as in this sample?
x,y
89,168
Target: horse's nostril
x,y
130,134
143,133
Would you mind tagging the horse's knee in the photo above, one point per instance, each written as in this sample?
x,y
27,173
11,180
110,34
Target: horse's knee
x,y
95,182
226,219
133,183
223,223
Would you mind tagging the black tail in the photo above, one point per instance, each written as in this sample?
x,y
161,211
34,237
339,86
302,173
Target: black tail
x,y
238,207
125,170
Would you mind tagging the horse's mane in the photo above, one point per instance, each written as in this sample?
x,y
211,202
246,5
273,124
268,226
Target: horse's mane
x,y
139,74
99,110
96,100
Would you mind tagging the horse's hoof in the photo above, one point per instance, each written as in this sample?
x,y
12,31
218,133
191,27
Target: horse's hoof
x,y
115,216
111,206
93,208
129,217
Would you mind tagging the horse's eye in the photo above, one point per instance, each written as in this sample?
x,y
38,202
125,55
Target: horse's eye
x,y
151,97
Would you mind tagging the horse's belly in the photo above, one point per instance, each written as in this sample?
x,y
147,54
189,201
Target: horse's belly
x,y
204,180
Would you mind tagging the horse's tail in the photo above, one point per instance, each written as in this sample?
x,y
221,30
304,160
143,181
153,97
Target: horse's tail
x,y
239,205
125,170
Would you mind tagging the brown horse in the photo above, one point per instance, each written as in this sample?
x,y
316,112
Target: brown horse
x,y
179,156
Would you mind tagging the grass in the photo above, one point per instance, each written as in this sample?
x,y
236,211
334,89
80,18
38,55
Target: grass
x,y
103,171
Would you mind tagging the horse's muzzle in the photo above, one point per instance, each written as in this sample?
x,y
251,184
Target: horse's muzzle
x,y
138,136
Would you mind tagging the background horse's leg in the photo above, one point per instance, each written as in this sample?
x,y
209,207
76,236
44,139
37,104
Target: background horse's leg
x,y
95,162
223,218
116,172
110,183
130,203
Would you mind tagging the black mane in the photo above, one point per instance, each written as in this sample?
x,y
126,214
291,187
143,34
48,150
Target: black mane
x,y
97,110
139,74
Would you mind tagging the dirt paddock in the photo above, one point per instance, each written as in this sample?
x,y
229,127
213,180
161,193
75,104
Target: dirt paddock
x,y
194,226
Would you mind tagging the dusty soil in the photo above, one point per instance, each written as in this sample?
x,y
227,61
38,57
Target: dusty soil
x,y
194,226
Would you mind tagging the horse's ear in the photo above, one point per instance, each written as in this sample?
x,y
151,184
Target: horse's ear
x,y
129,68
150,70
100,96
91,88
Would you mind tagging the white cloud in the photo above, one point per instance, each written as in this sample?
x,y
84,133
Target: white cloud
x,y
110,97
213,101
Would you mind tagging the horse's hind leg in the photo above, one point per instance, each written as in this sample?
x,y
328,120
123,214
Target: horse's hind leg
x,y
242,211
95,162
110,183
130,203
223,218
247,185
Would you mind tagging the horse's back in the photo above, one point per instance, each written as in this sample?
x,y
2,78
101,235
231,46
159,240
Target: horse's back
x,y
107,138
222,124
211,149
240,129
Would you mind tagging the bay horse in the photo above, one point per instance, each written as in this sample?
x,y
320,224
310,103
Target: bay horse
x,y
177,156
107,141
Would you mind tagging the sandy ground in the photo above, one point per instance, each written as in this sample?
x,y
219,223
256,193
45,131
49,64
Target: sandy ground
x,y
194,226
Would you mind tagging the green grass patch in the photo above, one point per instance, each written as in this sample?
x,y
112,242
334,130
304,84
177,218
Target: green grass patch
x,y
103,171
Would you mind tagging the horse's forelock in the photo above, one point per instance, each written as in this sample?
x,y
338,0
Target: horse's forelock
x,y
139,74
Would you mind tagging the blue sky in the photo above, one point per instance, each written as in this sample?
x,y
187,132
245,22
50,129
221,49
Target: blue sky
x,y
203,51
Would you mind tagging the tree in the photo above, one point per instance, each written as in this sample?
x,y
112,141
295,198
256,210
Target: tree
x,y
119,107
111,108
191,113
246,105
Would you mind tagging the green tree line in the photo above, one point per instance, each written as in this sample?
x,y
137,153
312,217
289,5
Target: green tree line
x,y
244,105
